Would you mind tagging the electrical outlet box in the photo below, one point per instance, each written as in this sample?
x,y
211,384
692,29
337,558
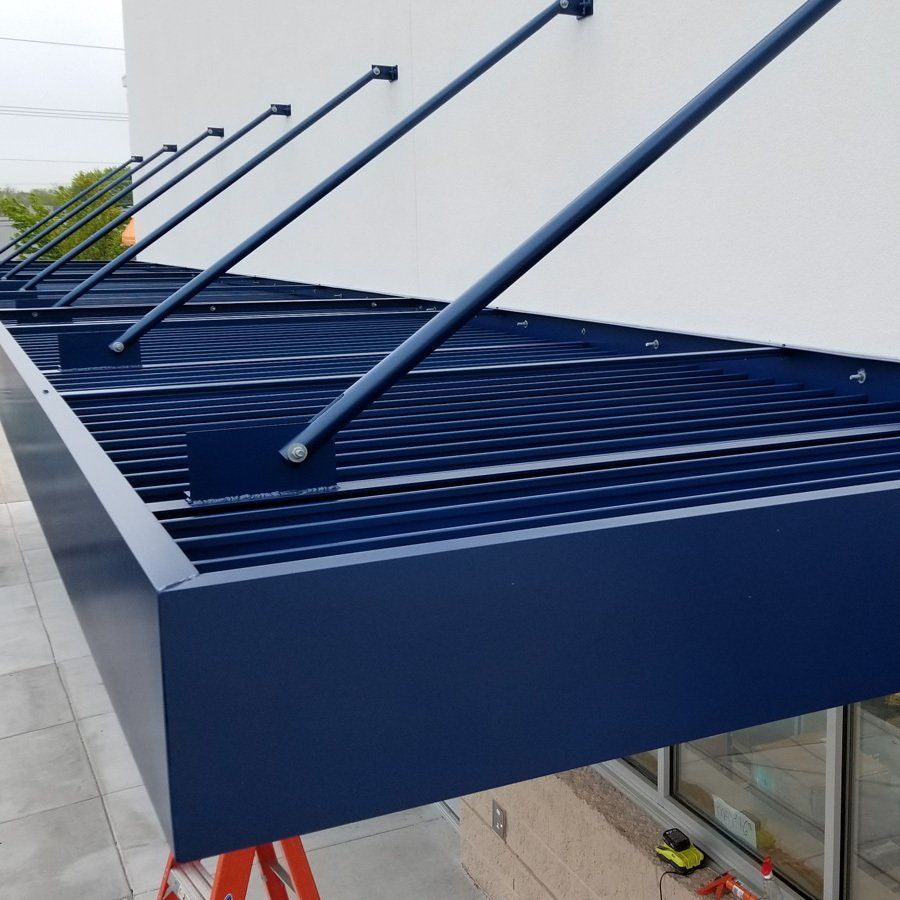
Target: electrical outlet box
x,y
498,819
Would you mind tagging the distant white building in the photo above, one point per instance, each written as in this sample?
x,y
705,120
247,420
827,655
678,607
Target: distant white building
x,y
6,230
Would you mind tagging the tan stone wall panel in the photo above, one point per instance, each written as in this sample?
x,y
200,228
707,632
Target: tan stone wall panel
x,y
569,837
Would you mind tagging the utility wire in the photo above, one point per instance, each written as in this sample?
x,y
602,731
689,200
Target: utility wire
x,y
57,116
42,112
61,44
56,109
98,162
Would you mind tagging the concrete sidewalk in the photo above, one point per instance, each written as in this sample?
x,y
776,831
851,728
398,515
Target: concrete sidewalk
x,y
75,820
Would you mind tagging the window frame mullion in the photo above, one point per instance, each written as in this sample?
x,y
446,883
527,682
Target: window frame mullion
x,y
836,732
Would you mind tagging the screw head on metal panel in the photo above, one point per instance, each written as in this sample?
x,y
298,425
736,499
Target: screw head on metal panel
x,y
376,70
523,323
298,453
654,344
859,376
117,347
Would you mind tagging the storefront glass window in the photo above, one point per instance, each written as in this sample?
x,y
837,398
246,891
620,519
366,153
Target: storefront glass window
x,y
875,800
765,787
646,763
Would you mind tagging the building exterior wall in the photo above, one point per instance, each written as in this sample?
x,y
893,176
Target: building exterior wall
x,y
569,837
775,221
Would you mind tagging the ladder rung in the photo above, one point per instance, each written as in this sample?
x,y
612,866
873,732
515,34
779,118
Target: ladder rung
x,y
190,881
277,869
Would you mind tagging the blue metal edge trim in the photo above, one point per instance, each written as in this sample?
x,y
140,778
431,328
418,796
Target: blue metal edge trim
x,y
114,557
388,717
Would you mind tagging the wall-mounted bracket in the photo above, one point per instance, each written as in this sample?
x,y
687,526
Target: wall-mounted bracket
x,y
215,132
281,109
580,8
36,313
90,350
32,300
233,465
7,288
386,73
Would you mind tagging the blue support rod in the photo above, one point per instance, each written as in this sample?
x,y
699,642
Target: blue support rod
x,y
452,317
111,201
337,178
216,189
86,203
274,109
17,241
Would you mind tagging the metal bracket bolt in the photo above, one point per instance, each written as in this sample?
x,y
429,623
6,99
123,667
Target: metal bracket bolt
x,y
386,73
522,324
216,132
859,376
281,109
579,8
654,344
170,148
298,453
117,347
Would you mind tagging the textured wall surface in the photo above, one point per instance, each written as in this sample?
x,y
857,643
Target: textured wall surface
x,y
569,837
776,220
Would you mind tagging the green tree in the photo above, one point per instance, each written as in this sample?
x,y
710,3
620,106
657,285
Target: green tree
x,y
24,211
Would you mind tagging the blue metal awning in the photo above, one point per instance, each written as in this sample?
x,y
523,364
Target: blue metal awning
x,y
533,536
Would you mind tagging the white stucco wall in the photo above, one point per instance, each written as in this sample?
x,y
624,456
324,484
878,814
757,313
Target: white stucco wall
x,y
777,220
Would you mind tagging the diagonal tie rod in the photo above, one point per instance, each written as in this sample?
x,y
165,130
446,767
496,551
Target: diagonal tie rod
x,y
385,73
53,225
580,8
274,109
112,201
70,202
452,317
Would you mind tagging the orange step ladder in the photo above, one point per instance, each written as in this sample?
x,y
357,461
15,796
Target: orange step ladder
x,y
193,881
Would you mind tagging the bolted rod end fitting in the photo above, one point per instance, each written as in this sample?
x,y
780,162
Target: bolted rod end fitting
x,y
386,73
137,158
281,109
579,8
216,132
297,453
170,148
117,347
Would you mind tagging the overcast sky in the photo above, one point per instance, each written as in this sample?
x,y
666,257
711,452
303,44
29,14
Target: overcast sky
x,y
68,78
